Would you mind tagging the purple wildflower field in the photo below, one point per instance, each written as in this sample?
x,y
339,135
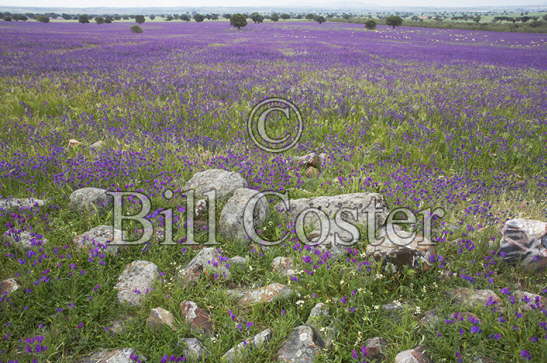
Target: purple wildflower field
x,y
453,119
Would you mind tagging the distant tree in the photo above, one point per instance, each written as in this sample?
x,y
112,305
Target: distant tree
x,y
285,16
298,16
545,17
310,16
136,29
477,19
346,16
139,19
320,19
43,19
152,17
257,18
7,18
199,18
226,16
238,21
108,19
83,19
394,21
274,17
214,16
185,17
99,20
370,24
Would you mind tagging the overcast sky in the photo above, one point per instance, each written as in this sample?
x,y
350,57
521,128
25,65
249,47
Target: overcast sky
x,y
264,3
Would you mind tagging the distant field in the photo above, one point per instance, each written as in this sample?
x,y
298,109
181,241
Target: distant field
x,y
426,117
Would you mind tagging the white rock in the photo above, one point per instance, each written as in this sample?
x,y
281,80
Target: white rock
x,y
136,281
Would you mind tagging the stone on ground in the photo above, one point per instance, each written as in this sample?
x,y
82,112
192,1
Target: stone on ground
x,y
24,239
283,266
91,200
375,347
136,281
256,342
99,237
193,349
331,205
124,355
160,318
196,317
415,355
237,214
524,241
8,286
302,346
266,294
208,261
20,203
222,181
474,298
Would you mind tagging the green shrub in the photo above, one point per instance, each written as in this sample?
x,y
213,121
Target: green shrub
x,y
42,19
139,19
394,21
370,24
99,20
136,29
238,21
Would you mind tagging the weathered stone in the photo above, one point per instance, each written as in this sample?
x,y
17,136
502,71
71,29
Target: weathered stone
x,y
125,355
100,237
8,286
136,281
256,342
96,146
415,355
193,350
159,318
73,143
266,294
393,307
91,200
283,266
196,317
24,239
237,260
474,298
320,320
346,204
524,241
222,181
430,319
375,347
208,261
309,160
302,346
400,251
312,172
237,215
21,203
529,301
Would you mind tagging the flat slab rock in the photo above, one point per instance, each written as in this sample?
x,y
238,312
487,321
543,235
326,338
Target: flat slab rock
x,y
524,241
208,261
24,239
124,355
283,266
196,317
255,342
266,294
20,203
415,355
222,181
302,346
474,298
91,200
330,205
399,251
237,213
99,237
136,281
